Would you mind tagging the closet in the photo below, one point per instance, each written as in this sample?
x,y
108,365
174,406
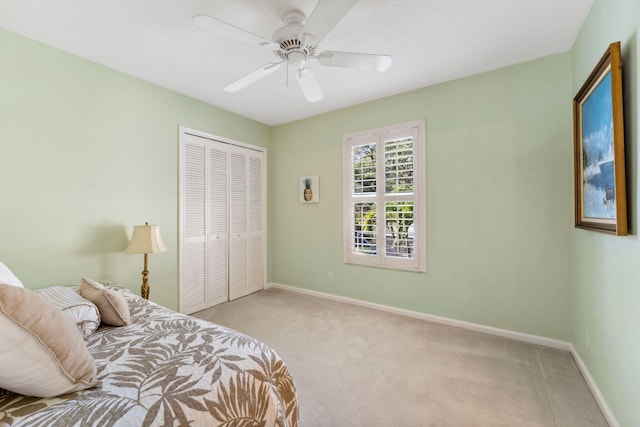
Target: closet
x,y
222,220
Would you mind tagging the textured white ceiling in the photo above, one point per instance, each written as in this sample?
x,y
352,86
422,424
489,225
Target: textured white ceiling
x,y
431,41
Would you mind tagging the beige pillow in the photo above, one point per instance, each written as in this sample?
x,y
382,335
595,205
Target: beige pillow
x,y
42,353
113,308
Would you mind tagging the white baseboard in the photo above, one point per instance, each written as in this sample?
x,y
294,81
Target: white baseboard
x,y
505,333
533,339
595,390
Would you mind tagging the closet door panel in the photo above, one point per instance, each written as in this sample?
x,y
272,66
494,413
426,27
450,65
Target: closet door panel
x,y
255,222
255,194
194,226
238,285
217,273
255,264
238,188
218,229
194,293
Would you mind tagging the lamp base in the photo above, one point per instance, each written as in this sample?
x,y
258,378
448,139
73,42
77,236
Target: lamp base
x,y
144,289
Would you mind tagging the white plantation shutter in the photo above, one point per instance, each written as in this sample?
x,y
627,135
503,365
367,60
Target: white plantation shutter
x,y
222,221
385,197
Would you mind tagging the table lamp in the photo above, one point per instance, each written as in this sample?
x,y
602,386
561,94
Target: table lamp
x,y
145,240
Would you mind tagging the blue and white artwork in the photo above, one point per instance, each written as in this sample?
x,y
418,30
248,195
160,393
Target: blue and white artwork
x,y
599,190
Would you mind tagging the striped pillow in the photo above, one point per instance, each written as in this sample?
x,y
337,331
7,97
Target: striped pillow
x,y
83,312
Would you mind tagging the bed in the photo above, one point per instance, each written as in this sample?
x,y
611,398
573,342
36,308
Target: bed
x,y
168,369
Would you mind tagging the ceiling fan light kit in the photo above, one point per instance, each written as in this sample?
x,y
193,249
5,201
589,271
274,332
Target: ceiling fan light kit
x,y
297,42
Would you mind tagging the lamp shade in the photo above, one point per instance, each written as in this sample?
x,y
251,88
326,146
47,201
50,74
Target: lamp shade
x,y
146,239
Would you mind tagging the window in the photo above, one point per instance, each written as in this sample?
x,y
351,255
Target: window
x,y
385,197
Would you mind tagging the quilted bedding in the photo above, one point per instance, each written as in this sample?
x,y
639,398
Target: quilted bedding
x,y
169,369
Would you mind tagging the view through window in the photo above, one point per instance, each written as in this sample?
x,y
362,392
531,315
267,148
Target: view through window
x,y
383,188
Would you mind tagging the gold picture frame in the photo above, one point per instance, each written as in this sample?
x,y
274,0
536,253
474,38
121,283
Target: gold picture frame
x,y
599,163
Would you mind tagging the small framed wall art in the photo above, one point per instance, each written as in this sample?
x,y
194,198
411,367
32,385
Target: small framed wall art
x,y
598,141
309,189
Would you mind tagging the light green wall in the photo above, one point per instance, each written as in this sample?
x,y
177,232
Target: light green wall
x,y
86,153
605,290
499,200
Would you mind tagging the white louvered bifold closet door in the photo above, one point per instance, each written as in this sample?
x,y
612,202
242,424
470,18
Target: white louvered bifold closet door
x,y
223,222
194,164
255,223
217,255
246,211
238,283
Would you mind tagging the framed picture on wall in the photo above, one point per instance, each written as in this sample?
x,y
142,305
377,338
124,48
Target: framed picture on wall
x,y
599,164
309,189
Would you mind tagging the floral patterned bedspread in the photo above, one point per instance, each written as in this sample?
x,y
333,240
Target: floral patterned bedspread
x,y
169,369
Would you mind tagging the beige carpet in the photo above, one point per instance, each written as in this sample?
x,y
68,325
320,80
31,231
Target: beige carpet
x,y
355,366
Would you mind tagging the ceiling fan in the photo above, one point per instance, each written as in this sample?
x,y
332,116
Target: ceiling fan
x,y
297,42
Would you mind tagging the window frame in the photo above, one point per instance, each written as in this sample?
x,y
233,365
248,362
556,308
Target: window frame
x,y
379,136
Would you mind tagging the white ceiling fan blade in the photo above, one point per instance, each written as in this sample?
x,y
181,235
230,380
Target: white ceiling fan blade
x,y
252,77
225,29
325,16
360,61
309,84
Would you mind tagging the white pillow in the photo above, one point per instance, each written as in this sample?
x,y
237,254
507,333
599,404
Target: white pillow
x,y
83,312
42,353
8,278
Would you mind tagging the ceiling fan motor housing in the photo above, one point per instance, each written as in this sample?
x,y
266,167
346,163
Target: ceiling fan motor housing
x,y
289,41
